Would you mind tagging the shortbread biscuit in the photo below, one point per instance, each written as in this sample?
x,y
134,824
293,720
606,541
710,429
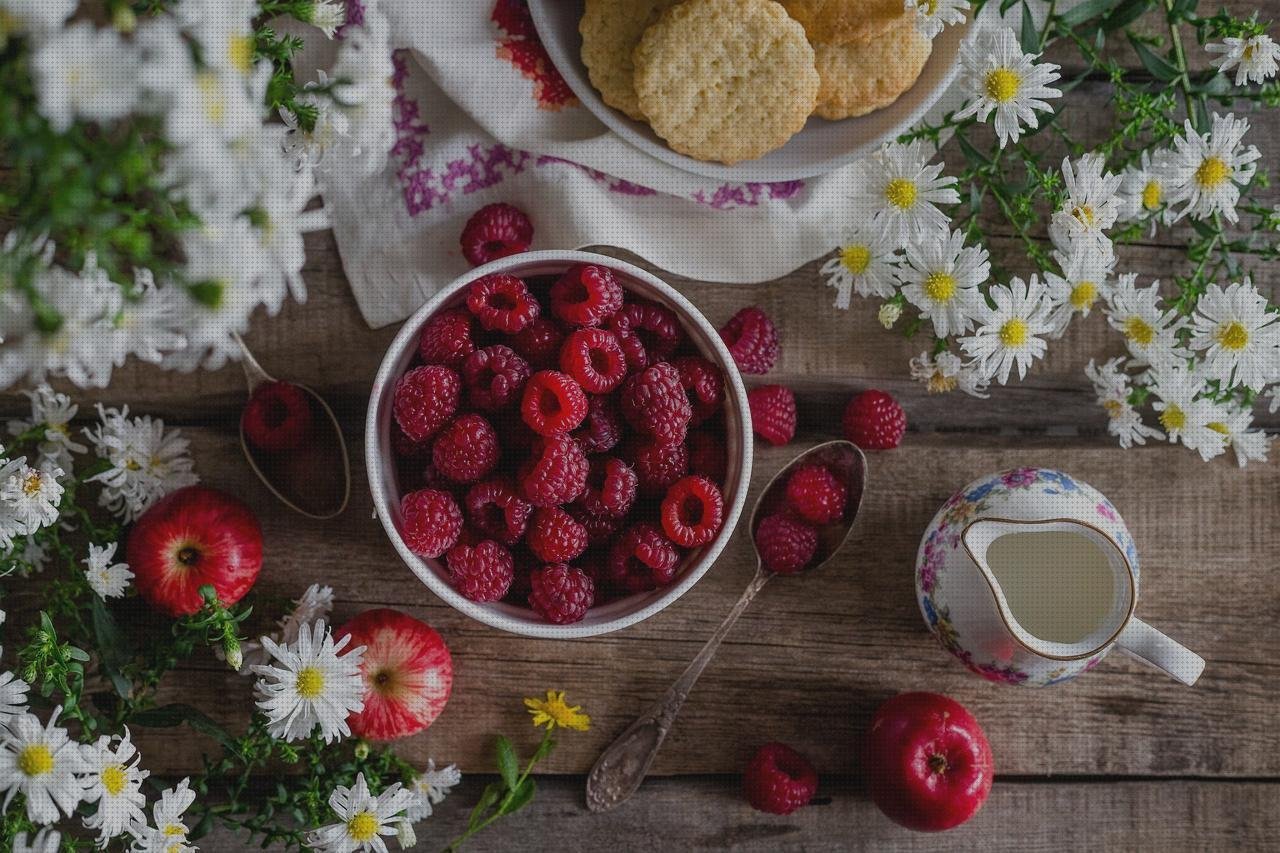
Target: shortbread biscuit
x,y
844,21
610,30
859,78
725,80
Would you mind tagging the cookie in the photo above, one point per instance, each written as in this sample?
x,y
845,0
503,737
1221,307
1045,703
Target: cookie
x,y
610,31
857,78
844,21
725,80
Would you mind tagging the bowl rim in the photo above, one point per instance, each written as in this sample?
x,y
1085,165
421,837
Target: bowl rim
x,y
379,489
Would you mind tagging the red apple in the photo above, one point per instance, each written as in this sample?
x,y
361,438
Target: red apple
x,y
192,537
927,762
408,674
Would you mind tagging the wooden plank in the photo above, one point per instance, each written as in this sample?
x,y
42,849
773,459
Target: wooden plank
x,y
816,654
710,814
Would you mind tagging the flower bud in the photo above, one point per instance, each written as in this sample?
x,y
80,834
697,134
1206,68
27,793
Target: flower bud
x,y
405,834
231,647
889,314
362,749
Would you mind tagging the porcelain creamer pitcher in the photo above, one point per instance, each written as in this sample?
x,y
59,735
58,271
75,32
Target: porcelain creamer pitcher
x,y
1030,577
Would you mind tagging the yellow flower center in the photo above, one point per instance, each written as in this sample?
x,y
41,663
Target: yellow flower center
x,y
930,7
1014,332
35,760
113,779
901,193
1247,53
175,830
855,259
31,484
1114,408
363,826
1151,195
1212,172
1084,215
940,286
310,682
1173,418
240,52
1219,427
1002,85
1139,331
939,383
1083,295
215,102
1233,335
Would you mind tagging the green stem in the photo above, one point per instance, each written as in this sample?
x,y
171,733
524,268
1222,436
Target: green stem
x,y
1180,60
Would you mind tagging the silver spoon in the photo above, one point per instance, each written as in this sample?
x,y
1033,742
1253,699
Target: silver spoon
x,y
318,504
622,767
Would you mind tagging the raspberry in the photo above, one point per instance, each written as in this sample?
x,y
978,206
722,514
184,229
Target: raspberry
x,y
481,573
502,303
692,512
594,358
446,339
495,231
278,417
704,385
557,472
405,449
539,343
654,402
494,376
786,545
752,340
648,333
494,508
874,420
561,594
611,488
658,466
773,413
642,559
431,522
466,450
553,403
708,456
816,494
426,399
779,780
602,430
555,536
585,295
600,528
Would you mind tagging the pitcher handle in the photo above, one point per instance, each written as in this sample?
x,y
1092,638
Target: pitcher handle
x,y
1146,643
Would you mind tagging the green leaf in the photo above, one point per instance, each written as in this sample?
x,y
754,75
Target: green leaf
x,y
168,716
508,764
975,157
1157,66
1030,36
488,797
1077,15
521,797
113,647
1126,13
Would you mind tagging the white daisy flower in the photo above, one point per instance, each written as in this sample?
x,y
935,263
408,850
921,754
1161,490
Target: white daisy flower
x,y
1274,396
365,819
948,372
1148,330
1112,387
898,190
1145,188
316,603
29,497
1010,333
108,580
1208,170
941,277
85,72
151,321
46,840
889,313
1002,79
54,412
315,685
1232,423
13,697
113,782
167,833
146,461
325,15
1091,206
40,762
933,16
224,29
1254,58
1183,413
865,265
430,788
34,556
1086,273
1239,334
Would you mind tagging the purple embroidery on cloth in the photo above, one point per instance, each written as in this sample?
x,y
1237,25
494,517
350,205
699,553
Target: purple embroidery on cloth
x,y
355,17
748,195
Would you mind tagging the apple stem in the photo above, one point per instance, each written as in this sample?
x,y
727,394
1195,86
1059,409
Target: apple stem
x,y
938,763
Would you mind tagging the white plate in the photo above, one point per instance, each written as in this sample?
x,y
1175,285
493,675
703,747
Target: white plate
x,y
820,147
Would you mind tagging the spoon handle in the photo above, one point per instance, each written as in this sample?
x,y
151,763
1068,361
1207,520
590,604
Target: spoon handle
x,y
253,372
623,765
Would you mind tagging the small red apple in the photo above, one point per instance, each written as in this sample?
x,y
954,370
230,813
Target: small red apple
x,y
927,762
408,673
192,537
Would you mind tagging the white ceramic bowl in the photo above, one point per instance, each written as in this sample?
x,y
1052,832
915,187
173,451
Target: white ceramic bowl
x,y
606,617
820,147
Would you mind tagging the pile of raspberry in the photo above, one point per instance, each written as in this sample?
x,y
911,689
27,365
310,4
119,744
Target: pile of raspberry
x,y
559,443
787,539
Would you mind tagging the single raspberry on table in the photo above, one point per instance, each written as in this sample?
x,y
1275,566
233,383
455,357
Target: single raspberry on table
x,y
642,559
648,332
425,399
278,417
494,376
786,544
657,466
594,358
561,594
502,303
431,522
494,509
874,420
466,450
752,340
539,343
586,295
654,403
446,338
495,231
692,513
482,572
773,413
602,429
611,488
553,403
816,494
779,780
703,383
708,455
556,474
555,536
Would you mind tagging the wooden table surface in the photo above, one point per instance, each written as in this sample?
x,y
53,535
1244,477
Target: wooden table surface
x,y
1124,758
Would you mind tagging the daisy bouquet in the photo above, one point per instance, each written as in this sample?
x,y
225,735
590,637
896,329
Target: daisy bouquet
x,y
1203,347
162,165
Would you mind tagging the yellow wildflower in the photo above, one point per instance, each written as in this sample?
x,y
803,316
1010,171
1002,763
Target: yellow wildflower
x,y
554,711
